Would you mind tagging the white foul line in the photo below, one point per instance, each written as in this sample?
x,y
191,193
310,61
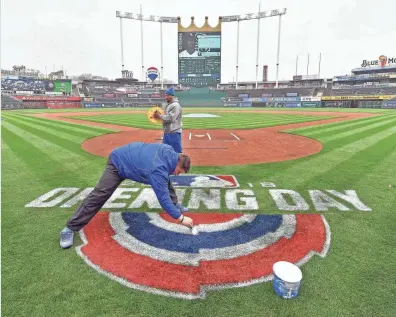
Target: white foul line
x,y
235,136
189,137
208,136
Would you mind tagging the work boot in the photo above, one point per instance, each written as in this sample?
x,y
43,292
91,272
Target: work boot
x,y
66,238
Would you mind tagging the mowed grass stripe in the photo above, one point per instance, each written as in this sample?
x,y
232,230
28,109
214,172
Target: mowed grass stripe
x,y
349,132
321,163
346,128
334,125
13,186
69,135
52,137
67,128
237,121
257,117
352,137
56,151
63,124
374,183
39,158
355,167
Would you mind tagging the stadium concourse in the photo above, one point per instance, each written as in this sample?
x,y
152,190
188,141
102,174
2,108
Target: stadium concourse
x,y
371,86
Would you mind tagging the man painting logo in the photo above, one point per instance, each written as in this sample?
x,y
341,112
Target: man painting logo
x,y
149,252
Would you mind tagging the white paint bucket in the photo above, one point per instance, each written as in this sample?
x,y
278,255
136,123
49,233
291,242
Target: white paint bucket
x,y
287,279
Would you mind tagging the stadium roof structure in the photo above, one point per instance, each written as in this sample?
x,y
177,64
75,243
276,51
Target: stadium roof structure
x,y
389,68
224,18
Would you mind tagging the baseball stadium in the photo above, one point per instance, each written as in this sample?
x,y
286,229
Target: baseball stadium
x,y
291,190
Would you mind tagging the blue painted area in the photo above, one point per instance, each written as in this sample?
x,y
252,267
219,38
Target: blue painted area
x,y
143,230
187,180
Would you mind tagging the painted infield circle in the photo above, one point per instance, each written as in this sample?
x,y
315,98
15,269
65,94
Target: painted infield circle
x,y
255,146
154,268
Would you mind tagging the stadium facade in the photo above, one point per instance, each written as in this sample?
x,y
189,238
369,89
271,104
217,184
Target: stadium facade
x,y
371,85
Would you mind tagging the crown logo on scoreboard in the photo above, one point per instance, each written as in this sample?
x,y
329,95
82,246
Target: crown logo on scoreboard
x,y
194,28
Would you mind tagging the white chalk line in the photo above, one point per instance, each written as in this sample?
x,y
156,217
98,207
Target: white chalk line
x,y
235,136
208,136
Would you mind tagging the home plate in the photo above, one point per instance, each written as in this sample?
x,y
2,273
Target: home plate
x,y
204,136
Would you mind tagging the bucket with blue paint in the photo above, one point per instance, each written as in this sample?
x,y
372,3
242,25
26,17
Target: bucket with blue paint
x,y
287,279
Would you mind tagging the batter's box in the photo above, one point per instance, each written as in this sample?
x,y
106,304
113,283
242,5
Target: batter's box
x,y
214,136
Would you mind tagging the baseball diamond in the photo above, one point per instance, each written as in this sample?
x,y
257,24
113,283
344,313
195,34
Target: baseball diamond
x,y
306,195
202,168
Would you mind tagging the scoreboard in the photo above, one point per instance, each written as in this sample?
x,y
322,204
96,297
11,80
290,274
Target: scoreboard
x,y
199,58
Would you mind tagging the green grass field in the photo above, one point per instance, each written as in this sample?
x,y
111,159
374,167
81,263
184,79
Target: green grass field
x,y
238,120
356,278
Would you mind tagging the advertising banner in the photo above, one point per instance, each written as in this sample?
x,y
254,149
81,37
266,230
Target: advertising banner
x,y
59,85
92,105
362,97
331,104
47,97
310,98
25,92
144,96
291,94
245,104
54,93
285,99
389,105
292,105
243,95
132,95
112,105
310,104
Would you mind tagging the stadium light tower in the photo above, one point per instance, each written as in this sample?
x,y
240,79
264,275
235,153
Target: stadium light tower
x,y
226,18
151,18
251,16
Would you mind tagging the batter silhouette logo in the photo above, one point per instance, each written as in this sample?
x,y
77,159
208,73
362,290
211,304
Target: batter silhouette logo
x,y
382,60
150,252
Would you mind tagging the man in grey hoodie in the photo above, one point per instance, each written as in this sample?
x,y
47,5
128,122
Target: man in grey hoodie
x,y
172,126
171,121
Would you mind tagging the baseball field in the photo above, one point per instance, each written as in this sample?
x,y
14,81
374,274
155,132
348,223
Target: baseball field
x,y
316,188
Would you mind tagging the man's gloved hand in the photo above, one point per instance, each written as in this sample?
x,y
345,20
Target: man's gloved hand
x,y
157,115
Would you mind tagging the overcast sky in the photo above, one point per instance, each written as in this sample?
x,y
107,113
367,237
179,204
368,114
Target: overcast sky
x,y
84,35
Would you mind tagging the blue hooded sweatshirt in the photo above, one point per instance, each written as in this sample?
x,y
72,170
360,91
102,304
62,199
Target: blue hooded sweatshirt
x,y
149,163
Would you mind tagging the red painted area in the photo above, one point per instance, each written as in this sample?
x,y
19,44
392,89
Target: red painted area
x,y
103,251
255,146
204,218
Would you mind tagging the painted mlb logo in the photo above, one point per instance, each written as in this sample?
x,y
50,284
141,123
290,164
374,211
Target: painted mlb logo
x,y
148,252
204,181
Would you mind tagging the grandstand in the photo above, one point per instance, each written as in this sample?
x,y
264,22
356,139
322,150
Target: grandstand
x,y
368,86
372,78
9,102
